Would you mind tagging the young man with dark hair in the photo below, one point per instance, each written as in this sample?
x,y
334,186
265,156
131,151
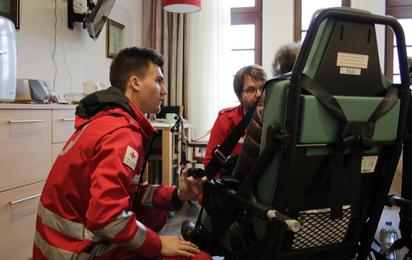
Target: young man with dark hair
x,y
247,85
93,205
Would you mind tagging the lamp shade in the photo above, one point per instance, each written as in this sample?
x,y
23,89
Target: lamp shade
x,y
182,6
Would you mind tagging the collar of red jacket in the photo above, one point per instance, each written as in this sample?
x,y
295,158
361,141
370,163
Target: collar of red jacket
x,y
106,100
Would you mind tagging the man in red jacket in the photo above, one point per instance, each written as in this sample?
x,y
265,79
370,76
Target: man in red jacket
x,y
93,205
247,84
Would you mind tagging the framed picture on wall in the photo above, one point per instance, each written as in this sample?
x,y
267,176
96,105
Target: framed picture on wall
x,y
115,38
11,10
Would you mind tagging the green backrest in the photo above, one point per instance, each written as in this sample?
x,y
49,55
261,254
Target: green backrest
x,y
318,125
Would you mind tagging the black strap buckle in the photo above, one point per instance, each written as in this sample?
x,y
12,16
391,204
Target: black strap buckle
x,y
219,156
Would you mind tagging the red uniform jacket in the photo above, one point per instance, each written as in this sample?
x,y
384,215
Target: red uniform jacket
x,y
225,123
86,207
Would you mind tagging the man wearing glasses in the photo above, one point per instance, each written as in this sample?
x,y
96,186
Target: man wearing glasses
x,y
247,84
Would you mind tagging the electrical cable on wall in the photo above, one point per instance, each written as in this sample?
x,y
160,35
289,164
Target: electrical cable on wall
x,y
64,51
55,43
18,41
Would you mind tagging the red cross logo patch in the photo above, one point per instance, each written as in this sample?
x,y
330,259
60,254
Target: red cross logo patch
x,y
130,158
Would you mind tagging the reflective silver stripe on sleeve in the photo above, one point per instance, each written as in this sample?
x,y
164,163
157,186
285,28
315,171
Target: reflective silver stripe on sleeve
x,y
63,152
67,227
111,230
52,252
148,196
99,250
79,231
138,239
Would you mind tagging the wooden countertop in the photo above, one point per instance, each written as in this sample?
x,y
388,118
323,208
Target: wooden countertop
x,y
36,106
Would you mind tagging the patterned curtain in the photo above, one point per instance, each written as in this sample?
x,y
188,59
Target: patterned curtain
x,y
166,33
196,50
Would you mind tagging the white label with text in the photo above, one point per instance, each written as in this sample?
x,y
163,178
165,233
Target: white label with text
x,y
352,60
368,163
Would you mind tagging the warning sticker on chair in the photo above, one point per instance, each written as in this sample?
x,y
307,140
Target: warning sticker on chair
x,y
368,163
352,60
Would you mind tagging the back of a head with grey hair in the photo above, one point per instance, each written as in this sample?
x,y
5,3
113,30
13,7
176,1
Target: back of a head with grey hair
x,y
285,58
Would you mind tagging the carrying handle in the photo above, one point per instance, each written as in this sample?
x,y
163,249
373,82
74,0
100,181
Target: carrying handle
x,y
353,17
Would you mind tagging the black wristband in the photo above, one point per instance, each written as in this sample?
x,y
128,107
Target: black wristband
x,y
176,202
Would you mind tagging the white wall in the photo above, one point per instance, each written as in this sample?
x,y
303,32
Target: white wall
x,y
76,54
86,59
277,28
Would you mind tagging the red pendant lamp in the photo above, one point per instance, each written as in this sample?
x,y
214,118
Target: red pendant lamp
x,y
182,6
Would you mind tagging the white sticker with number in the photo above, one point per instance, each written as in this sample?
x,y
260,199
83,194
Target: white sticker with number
x,y
351,63
350,71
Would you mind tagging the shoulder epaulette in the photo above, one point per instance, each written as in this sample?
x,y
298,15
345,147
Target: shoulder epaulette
x,y
225,110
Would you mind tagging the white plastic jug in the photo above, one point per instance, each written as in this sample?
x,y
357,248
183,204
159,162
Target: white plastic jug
x,y
93,86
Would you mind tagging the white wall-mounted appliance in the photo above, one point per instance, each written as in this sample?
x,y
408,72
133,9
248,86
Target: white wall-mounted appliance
x,y
8,60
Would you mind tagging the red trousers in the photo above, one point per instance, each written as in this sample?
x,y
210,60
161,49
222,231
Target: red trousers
x,y
201,256
155,219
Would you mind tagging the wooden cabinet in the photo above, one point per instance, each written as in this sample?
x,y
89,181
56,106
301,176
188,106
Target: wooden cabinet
x,y
31,137
18,209
25,139
63,128
63,125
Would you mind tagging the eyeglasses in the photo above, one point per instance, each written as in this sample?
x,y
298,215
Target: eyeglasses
x,y
252,91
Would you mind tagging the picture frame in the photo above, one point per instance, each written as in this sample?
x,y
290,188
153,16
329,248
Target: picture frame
x,y
11,10
115,38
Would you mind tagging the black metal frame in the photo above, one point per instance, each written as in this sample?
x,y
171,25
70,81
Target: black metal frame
x,y
75,17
